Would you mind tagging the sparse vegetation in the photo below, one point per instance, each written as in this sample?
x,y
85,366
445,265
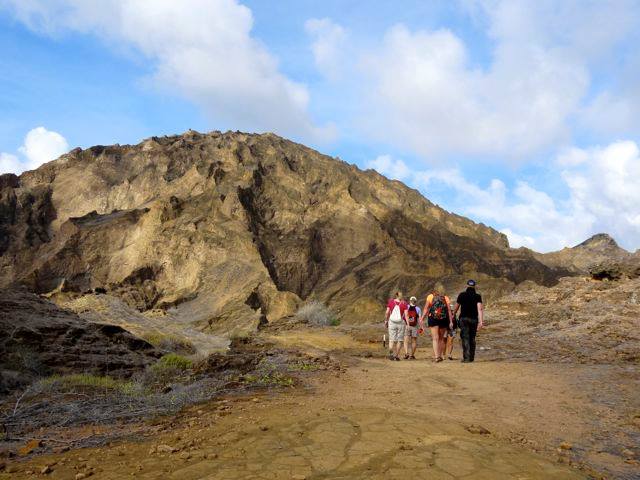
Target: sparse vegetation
x,y
169,343
173,360
268,379
317,314
83,381
304,367
164,388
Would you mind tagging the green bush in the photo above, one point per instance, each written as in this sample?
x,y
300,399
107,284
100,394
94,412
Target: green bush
x,y
173,360
85,381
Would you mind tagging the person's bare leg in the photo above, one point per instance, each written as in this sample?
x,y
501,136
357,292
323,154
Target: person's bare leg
x,y
398,348
449,347
435,340
414,345
443,341
407,339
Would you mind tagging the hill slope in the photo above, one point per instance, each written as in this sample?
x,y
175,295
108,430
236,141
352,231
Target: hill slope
x,y
240,228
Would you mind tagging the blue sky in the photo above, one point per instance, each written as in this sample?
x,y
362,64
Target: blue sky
x,y
520,114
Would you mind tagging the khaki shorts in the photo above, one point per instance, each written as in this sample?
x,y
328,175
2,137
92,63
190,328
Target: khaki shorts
x,y
410,331
396,331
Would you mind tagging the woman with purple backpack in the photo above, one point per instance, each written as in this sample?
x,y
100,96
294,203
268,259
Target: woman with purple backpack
x,y
437,309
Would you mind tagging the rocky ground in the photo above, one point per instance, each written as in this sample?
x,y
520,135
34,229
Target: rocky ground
x,y
578,321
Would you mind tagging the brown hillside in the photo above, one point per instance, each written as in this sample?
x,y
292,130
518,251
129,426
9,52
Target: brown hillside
x,y
236,227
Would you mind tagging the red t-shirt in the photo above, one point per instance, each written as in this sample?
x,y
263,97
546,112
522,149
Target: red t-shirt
x,y
401,303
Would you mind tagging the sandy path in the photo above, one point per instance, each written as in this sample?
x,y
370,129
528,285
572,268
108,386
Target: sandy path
x,y
360,424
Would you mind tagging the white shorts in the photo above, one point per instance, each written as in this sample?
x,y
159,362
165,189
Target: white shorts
x,y
396,331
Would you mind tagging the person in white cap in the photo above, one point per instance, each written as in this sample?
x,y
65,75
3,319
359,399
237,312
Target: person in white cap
x,y
412,320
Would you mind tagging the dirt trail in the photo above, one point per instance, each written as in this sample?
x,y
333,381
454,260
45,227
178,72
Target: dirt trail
x,y
382,419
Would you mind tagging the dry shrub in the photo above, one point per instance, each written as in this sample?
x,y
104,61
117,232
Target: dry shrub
x,y
317,314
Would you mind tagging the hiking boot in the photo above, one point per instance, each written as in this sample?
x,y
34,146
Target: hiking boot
x,y
412,357
406,357
397,359
391,357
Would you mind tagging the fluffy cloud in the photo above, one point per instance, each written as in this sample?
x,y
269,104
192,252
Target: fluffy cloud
x,y
601,196
327,46
201,49
427,93
9,163
40,146
394,169
432,99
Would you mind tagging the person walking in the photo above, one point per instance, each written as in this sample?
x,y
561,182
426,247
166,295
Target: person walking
x,y
394,322
469,303
412,319
450,336
437,309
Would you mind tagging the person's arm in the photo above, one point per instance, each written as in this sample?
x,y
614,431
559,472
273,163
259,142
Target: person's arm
x,y
455,312
424,310
449,312
480,315
386,316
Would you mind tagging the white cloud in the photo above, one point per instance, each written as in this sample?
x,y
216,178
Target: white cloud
x,y
40,146
599,187
516,240
428,96
425,92
9,163
327,46
201,49
394,169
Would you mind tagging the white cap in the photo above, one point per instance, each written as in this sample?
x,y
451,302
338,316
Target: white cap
x,y
413,299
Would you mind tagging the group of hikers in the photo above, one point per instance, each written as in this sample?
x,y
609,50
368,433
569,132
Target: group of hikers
x,y
405,321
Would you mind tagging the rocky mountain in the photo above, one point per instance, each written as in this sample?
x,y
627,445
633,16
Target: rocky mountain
x,y
234,229
599,249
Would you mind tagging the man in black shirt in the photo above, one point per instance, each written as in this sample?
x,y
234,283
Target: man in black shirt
x,y
471,319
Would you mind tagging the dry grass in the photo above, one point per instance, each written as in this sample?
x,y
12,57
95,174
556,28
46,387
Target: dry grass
x,y
317,314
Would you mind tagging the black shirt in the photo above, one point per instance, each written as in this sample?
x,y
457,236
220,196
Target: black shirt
x,y
468,301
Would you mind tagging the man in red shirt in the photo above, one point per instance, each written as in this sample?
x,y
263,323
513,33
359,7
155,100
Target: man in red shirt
x,y
394,322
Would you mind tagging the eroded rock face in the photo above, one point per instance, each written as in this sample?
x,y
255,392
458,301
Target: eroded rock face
x,y
232,228
38,338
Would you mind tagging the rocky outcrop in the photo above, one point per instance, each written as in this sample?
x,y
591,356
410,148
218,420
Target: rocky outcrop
x,y
38,338
599,249
232,228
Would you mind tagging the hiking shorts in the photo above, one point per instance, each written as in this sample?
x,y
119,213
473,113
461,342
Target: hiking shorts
x,y
432,322
410,331
396,331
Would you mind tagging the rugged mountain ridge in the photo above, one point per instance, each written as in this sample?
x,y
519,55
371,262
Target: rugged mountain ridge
x,y
224,228
600,248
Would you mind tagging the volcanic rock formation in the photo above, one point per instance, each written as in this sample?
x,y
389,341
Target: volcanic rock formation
x,y
224,228
38,338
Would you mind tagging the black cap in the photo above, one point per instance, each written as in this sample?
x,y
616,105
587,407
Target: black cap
x,y
471,283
